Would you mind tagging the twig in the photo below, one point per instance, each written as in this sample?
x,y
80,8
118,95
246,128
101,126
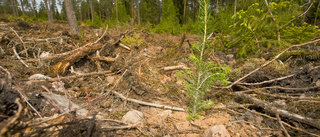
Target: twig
x,y
121,127
43,128
146,103
181,132
11,120
102,35
9,75
119,79
91,125
25,49
283,128
174,124
15,52
26,100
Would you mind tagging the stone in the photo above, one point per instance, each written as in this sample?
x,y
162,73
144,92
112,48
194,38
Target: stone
x,y
216,131
132,117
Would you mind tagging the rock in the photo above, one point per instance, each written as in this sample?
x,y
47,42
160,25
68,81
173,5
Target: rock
x,y
216,131
132,117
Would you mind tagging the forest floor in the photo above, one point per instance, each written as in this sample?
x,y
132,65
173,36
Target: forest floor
x,y
84,86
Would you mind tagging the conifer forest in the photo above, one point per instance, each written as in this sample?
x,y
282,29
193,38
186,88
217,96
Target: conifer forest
x,y
181,68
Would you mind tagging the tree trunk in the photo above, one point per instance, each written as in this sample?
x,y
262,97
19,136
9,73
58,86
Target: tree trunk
x,y
80,14
16,7
22,7
184,11
74,29
138,11
48,11
13,8
33,9
91,7
315,18
132,15
116,1
234,13
217,5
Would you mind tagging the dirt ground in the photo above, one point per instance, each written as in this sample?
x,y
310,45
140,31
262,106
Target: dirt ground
x,y
131,62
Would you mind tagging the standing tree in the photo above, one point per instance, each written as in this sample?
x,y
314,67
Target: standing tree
x,y
14,9
33,8
116,1
91,8
74,29
22,7
48,11
138,11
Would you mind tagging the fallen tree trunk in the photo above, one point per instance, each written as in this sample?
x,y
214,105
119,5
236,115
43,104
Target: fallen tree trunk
x,y
281,112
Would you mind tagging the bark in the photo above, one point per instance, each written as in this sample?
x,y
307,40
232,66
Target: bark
x,y
48,11
74,29
13,8
22,7
33,9
91,7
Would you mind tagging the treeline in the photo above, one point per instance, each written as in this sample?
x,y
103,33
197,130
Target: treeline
x,y
239,23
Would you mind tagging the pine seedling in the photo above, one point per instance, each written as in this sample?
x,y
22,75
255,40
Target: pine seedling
x,y
206,73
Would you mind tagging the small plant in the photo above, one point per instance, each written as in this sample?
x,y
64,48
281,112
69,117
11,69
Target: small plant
x,y
133,40
206,73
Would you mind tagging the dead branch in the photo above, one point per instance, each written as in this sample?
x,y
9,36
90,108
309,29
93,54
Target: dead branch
x,y
43,128
107,73
258,90
124,46
283,128
274,110
269,81
104,33
268,62
174,67
181,132
24,45
146,103
102,58
15,52
267,116
12,119
9,75
108,128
